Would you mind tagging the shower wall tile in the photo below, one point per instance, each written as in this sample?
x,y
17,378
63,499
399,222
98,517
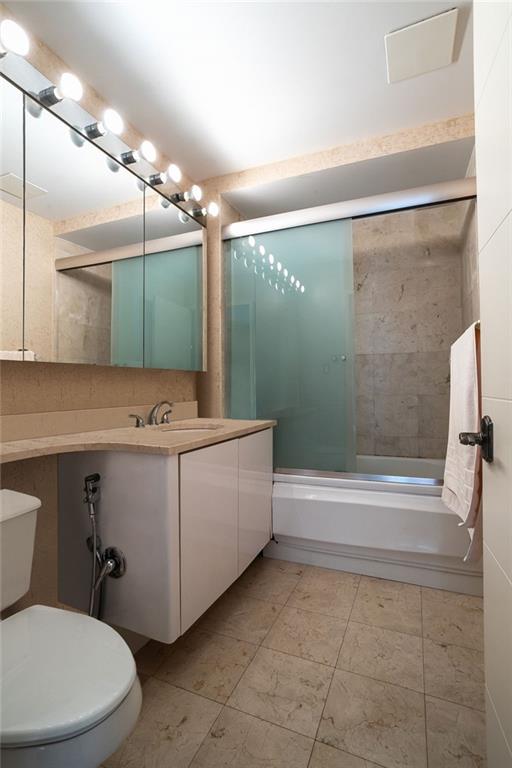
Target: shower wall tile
x,y
395,331
365,410
396,373
408,285
365,374
396,446
396,415
433,413
431,447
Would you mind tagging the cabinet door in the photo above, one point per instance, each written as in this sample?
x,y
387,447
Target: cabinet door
x,y
255,495
209,527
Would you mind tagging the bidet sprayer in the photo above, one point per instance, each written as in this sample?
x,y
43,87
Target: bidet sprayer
x,y
92,491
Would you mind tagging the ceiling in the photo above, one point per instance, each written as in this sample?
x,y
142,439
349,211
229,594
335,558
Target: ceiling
x,y
223,86
394,173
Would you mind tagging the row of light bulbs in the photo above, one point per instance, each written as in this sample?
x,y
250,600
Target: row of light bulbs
x,y
274,266
14,39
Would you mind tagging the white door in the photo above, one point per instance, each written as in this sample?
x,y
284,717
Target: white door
x,y
493,113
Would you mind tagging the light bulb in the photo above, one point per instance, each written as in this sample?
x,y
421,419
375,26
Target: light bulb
x,y
302,289
113,121
271,258
297,283
262,251
292,279
13,38
112,165
196,192
279,266
148,151
213,209
252,241
70,87
182,216
285,272
174,173
165,203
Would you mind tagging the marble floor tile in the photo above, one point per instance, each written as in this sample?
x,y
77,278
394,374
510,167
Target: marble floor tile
x,y
171,727
284,690
268,579
207,663
150,657
325,591
388,604
455,674
307,634
241,617
384,654
449,617
376,721
324,756
455,735
238,740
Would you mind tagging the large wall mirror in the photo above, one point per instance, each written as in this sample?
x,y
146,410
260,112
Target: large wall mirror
x,y
97,266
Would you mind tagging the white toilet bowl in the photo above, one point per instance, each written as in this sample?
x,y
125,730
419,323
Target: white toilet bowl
x,y
69,690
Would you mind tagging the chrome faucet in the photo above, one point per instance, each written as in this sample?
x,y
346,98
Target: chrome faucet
x,y
153,414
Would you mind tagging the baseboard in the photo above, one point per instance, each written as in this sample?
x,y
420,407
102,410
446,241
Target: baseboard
x,y
425,570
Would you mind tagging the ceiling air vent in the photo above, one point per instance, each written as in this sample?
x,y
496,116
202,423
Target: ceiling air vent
x,y
13,185
421,47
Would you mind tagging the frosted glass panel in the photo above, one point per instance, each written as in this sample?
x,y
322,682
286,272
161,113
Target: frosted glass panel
x,y
127,347
173,321
290,350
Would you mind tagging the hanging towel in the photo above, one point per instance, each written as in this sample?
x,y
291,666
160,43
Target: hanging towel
x,y
462,488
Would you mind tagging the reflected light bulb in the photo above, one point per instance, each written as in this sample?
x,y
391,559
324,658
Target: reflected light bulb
x,y
279,266
285,272
113,121
174,173
263,251
213,209
13,38
302,289
271,258
196,192
70,87
252,241
148,151
292,279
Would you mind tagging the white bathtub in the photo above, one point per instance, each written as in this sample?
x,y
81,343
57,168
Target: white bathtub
x,y
387,528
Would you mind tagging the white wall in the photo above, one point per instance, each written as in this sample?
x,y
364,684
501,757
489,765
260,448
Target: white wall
x,y
493,100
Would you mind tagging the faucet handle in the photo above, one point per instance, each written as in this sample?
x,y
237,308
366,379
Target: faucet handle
x,y
165,416
139,421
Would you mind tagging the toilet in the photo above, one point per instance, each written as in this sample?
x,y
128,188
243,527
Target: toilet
x,y
69,689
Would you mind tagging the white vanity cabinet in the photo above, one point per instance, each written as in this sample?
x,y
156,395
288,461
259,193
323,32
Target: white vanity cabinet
x,y
209,527
188,524
254,495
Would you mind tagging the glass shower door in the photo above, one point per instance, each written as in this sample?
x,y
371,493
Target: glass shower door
x,y
290,350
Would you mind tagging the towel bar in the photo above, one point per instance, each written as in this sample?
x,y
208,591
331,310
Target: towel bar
x,y
484,438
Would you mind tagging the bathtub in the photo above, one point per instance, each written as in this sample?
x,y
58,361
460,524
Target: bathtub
x,y
389,526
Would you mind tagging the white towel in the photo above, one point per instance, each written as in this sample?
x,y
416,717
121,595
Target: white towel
x,y
463,470
17,354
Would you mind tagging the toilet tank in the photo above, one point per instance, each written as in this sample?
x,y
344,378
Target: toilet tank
x,y
18,514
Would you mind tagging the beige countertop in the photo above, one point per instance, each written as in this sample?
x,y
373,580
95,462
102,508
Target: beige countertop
x,y
165,439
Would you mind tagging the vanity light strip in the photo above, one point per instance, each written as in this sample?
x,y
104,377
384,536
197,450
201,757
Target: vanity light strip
x,y
15,41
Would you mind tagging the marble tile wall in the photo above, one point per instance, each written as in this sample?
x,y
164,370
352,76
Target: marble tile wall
x,y
408,312
84,299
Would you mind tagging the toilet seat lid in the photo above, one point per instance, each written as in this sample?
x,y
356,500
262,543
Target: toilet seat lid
x,y
61,673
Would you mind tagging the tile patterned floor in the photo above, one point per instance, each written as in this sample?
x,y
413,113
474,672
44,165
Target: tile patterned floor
x,y
303,667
